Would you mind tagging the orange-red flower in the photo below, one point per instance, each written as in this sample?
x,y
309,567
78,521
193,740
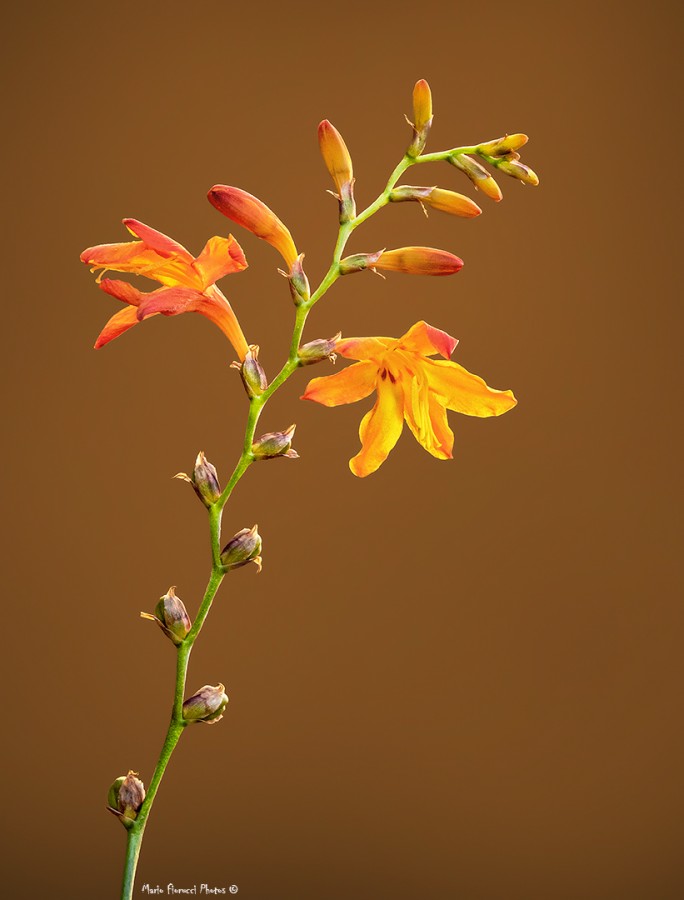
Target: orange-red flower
x,y
188,282
410,387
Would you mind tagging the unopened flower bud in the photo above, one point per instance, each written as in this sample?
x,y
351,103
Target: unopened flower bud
x,y
207,705
503,145
204,480
517,170
479,176
422,117
171,616
338,162
125,797
358,262
318,350
274,444
243,548
252,372
299,283
256,217
446,201
419,261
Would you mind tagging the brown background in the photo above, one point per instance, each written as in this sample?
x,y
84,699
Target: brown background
x,y
452,680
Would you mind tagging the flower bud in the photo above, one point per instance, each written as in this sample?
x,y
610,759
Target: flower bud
x,y
171,616
422,117
256,217
447,201
479,176
204,480
274,444
517,170
125,797
358,262
338,162
299,283
419,261
252,373
241,549
318,350
207,705
503,145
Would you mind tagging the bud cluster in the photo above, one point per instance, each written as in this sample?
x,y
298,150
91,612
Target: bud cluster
x,y
503,154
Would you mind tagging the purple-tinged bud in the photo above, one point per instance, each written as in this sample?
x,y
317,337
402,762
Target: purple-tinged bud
x,y
171,616
243,548
275,444
358,262
479,176
207,705
125,797
252,373
204,480
299,283
318,350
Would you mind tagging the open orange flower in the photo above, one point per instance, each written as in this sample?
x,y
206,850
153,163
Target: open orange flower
x,y
410,387
188,281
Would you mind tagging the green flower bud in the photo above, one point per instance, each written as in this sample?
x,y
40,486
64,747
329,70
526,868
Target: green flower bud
x,y
243,548
274,444
252,373
125,797
204,480
171,616
318,350
207,705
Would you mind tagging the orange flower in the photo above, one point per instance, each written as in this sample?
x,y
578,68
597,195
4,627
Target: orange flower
x,y
410,387
188,281
255,216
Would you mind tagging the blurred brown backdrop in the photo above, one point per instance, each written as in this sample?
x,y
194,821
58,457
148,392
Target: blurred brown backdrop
x,y
452,680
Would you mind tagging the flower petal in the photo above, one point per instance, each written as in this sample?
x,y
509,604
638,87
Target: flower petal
x,y
351,384
427,419
464,392
364,348
380,429
170,301
155,240
122,321
220,256
424,339
122,290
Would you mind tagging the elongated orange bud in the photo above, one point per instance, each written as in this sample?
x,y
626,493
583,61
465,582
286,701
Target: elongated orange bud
x,y
503,145
338,162
419,261
479,176
255,216
447,201
517,170
422,117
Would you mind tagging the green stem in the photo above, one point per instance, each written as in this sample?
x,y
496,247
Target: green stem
x,y
256,405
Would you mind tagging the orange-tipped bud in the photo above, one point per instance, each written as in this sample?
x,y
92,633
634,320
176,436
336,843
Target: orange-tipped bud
x,y
503,145
479,176
422,117
517,170
255,216
419,261
447,201
338,162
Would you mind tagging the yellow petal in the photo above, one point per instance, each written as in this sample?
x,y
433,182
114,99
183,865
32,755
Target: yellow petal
x,y
380,429
464,392
427,419
364,348
347,386
220,256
